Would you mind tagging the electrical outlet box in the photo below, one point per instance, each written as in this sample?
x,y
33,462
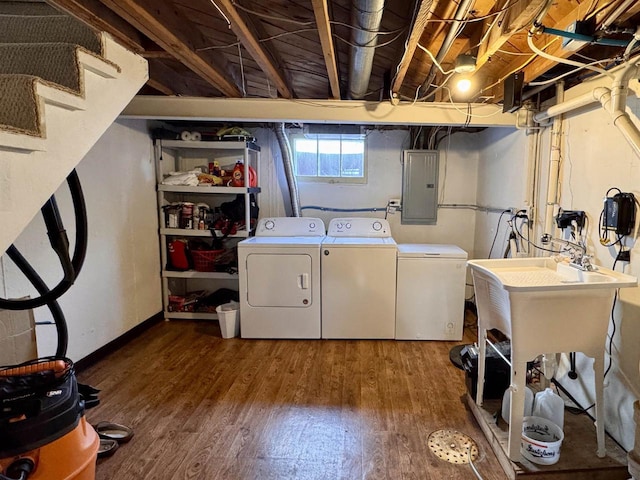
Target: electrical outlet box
x,y
394,202
586,28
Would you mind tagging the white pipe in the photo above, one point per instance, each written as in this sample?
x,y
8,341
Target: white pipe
x,y
615,14
554,164
565,107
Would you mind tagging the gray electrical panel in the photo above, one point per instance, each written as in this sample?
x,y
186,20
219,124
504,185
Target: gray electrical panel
x,y
420,187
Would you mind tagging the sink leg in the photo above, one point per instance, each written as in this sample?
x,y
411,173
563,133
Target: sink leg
x,y
598,368
518,384
482,351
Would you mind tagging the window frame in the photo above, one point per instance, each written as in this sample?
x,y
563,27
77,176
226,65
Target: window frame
x,y
325,179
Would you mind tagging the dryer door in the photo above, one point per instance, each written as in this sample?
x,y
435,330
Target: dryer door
x,y
279,280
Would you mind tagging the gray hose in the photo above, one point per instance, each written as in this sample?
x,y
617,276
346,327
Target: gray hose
x,y
287,161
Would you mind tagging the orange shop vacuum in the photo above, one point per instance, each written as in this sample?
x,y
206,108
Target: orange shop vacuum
x,y
43,431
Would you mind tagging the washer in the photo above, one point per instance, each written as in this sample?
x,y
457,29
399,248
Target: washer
x,y
358,279
279,272
430,296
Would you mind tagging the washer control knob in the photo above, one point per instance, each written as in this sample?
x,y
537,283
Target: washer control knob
x,y
269,224
377,226
339,225
348,225
312,225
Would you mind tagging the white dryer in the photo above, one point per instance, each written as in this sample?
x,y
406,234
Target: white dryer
x,y
279,272
358,279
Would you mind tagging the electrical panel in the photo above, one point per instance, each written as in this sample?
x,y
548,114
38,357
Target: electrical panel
x,y
420,187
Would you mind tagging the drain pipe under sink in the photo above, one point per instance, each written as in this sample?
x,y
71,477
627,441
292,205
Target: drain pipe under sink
x,y
287,161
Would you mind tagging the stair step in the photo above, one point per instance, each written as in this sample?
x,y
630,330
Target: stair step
x,y
27,8
59,63
48,29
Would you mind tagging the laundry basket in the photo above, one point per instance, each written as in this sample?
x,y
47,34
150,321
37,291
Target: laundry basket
x,y
205,260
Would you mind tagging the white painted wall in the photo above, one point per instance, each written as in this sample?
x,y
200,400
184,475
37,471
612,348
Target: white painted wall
x,y
595,157
458,181
119,286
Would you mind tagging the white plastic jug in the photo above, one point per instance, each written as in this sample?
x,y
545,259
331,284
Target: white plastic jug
x,y
548,404
506,402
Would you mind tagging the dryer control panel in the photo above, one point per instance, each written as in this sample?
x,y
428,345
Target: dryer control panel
x,y
359,227
290,227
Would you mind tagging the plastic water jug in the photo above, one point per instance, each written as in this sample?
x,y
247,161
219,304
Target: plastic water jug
x,y
549,405
506,402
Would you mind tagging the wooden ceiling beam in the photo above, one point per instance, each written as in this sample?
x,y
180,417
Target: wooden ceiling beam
x,y
160,87
253,46
166,27
98,16
417,29
506,25
321,12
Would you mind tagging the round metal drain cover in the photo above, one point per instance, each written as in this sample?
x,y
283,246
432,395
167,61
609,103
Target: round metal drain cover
x,y
452,446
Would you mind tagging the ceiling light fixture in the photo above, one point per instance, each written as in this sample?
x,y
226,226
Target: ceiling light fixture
x,y
465,64
463,85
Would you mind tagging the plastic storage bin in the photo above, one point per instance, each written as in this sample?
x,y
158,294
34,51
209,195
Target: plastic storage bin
x,y
541,440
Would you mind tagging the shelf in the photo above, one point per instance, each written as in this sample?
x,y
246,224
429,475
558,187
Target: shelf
x,y
188,232
191,315
195,274
207,189
218,145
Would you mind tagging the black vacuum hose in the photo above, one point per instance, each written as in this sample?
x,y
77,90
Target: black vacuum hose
x,y
35,279
60,243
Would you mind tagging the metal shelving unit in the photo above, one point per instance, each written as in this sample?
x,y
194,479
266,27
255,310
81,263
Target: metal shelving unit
x,y
177,155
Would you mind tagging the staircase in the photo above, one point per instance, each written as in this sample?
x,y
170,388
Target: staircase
x,y
61,86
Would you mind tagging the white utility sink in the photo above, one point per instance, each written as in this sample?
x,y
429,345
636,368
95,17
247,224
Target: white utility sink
x,y
544,307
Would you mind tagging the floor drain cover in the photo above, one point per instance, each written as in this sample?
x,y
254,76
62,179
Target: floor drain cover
x,y
452,446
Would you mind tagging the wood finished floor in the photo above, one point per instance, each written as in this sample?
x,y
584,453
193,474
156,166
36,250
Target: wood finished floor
x,y
203,407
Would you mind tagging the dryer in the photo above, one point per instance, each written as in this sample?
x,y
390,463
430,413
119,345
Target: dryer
x,y
279,271
358,279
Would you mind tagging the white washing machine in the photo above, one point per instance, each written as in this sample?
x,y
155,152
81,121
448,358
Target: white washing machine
x,y
279,272
430,296
358,279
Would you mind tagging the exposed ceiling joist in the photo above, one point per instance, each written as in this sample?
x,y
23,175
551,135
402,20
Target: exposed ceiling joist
x,y
255,49
505,25
321,12
160,87
101,18
163,26
417,29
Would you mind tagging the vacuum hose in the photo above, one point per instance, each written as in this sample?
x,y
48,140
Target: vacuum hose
x,y
71,267
60,243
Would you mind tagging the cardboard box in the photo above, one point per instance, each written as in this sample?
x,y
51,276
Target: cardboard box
x,y
17,337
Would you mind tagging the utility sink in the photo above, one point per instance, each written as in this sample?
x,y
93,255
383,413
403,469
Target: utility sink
x,y
540,274
544,306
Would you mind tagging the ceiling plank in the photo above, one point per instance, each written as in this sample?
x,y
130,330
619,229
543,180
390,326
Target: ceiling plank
x,y
507,24
156,54
417,29
162,25
253,46
101,18
321,12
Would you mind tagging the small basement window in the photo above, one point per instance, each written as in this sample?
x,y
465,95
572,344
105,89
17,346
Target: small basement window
x,y
331,158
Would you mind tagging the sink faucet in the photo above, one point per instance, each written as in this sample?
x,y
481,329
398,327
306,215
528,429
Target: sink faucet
x,y
577,253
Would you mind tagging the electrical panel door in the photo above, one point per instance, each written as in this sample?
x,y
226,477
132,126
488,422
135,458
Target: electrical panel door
x,y
420,187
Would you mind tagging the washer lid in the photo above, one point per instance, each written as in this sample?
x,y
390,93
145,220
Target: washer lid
x,y
366,242
426,250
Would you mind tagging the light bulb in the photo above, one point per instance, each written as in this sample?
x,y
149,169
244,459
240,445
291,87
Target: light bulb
x,y
463,85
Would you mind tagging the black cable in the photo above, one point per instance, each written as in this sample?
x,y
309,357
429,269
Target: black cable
x,y
529,242
79,253
497,230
